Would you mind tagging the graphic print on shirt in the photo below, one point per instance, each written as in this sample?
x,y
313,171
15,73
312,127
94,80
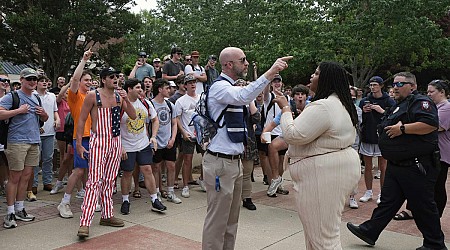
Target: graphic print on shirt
x,y
138,125
163,116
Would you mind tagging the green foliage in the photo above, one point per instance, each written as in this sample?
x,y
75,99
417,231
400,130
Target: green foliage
x,y
45,32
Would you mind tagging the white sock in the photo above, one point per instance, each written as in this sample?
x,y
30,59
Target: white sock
x,y
59,183
125,198
18,206
11,209
66,198
170,189
154,197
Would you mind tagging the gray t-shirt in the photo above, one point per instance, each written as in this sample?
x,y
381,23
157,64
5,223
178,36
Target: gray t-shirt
x,y
165,122
145,70
172,69
24,128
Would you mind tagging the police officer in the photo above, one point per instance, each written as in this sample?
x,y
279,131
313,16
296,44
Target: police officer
x,y
408,139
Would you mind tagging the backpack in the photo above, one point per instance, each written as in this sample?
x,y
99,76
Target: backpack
x,y
4,124
205,128
265,113
68,128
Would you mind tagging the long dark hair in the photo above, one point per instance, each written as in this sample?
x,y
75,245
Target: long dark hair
x,y
333,79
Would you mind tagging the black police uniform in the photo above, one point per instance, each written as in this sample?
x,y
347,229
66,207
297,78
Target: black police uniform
x,y
410,172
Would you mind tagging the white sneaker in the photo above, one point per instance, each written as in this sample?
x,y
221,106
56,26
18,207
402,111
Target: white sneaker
x,y
185,193
276,183
352,203
367,196
57,188
201,183
64,210
379,199
81,194
98,208
173,198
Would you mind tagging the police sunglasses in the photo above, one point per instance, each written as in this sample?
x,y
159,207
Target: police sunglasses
x,y
400,84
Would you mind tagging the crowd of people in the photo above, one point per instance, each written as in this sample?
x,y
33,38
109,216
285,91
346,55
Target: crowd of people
x,y
138,127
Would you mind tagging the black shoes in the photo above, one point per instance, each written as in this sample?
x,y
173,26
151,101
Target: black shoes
x,y
247,203
157,206
125,208
427,248
358,233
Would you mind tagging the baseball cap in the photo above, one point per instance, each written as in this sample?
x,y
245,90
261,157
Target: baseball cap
x,y
195,53
189,77
172,84
212,57
156,60
277,76
142,54
166,58
26,72
376,79
108,71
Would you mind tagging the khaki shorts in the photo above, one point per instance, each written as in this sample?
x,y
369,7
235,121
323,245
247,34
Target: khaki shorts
x,y
20,155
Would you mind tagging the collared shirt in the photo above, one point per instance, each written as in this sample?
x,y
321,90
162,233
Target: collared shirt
x,y
220,95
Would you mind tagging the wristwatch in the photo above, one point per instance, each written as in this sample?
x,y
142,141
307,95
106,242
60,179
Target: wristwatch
x,y
402,128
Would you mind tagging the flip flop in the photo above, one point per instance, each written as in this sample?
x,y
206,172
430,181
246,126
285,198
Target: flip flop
x,y
403,215
137,194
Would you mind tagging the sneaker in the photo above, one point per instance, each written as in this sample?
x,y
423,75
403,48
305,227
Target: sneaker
x,y
125,208
31,196
185,193
112,222
274,186
56,189
10,221
24,216
157,206
65,180
64,210
377,175
379,199
201,183
171,197
158,195
83,232
98,208
367,196
81,194
352,203
282,191
247,203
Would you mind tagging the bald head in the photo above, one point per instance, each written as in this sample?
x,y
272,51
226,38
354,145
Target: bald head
x,y
230,54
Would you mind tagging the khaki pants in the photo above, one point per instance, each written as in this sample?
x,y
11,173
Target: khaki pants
x,y
221,222
246,179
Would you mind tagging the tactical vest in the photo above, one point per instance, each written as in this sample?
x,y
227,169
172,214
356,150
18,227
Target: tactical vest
x,y
234,120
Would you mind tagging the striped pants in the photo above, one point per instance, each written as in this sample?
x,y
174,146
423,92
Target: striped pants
x,y
105,154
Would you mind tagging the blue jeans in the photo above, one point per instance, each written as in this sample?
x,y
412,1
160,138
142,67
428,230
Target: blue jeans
x,y
47,148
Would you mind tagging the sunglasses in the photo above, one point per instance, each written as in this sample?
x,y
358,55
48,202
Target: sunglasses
x,y
179,53
400,84
242,60
5,80
113,76
31,78
188,59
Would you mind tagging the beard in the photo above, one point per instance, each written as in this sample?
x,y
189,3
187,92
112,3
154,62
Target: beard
x,y
240,73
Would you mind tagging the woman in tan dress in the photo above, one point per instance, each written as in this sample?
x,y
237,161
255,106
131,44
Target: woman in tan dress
x,y
323,165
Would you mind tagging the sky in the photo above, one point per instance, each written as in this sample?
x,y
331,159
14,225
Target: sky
x,y
143,5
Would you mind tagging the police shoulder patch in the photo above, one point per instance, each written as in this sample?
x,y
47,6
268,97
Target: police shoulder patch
x,y
426,105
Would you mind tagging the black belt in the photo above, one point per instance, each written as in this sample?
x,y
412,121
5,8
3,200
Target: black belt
x,y
231,157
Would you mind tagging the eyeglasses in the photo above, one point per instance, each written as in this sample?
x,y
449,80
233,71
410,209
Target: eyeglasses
x,y
31,78
188,59
400,84
113,76
242,60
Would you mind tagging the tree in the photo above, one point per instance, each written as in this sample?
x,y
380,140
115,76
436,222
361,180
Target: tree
x,y
47,33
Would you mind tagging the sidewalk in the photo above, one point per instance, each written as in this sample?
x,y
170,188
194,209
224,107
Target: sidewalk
x,y
274,225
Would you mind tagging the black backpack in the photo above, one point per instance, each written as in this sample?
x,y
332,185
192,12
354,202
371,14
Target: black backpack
x,y
4,124
68,128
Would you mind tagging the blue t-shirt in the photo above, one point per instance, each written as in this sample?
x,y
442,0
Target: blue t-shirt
x,y
24,128
145,70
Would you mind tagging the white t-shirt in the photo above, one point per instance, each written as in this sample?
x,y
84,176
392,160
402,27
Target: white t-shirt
x,y
184,107
197,72
50,106
272,113
134,132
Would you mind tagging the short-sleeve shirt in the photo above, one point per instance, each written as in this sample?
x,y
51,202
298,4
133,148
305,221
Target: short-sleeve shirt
x,y
145,70
165,122
444,136
75,101
184,107
172,69
197,70
134,132
50,106
24,128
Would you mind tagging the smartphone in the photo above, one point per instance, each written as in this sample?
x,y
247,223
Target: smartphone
x,y
366,102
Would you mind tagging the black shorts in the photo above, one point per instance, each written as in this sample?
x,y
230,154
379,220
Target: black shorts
x,y
265,146
143,157
166,154
3,160
189,146
60,136
261,146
